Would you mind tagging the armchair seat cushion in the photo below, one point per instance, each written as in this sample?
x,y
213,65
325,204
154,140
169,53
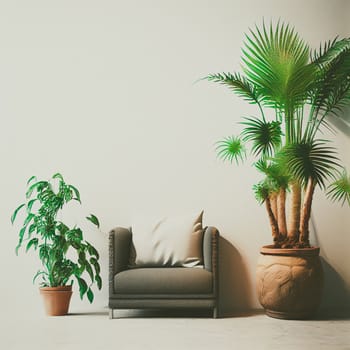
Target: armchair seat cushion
x,y
164,280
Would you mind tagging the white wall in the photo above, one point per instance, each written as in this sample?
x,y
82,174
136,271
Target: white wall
x,y
103,91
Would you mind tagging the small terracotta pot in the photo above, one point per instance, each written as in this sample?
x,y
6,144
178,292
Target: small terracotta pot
x,y
289,282
56,300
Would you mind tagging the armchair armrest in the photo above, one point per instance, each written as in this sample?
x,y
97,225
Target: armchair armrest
x,y
120,240
210,248
211,254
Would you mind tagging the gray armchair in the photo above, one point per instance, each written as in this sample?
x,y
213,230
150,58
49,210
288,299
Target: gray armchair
x,y
162,287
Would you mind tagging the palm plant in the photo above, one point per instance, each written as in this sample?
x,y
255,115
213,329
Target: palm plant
x,y
296,91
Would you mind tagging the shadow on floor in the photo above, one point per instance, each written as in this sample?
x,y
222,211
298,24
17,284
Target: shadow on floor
x,y
333,315
172,313
97,313
163,313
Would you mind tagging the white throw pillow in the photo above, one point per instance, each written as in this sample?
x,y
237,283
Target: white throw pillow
x,y
171,241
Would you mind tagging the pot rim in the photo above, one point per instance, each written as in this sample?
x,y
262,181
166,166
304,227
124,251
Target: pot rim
x,y
271,250
57,289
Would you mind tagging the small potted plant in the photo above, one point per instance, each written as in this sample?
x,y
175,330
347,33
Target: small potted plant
x,y
297,92
62,250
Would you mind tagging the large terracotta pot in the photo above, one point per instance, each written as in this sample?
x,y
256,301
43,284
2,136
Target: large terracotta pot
x,y
289,282
56,300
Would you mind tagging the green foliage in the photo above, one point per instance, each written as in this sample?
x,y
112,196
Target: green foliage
x,y
231,148
265,136
93,219
240,85
276,63
315,160
304,89
329,51
63,252
339,190
332,91
275,173
262,191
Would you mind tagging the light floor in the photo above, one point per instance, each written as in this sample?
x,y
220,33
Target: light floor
x,y
167,331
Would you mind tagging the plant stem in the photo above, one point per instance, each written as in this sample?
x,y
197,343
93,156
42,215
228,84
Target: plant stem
x,y
262,111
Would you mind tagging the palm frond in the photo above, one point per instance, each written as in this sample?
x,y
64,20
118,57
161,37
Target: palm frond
x,y
275,173
331,90
239,84
339,190
310,159
231,148
266,136
262,191
276,60
329,51
262,165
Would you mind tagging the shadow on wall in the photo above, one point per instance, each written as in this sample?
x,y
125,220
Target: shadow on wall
x,y
235,290
342,122
336,296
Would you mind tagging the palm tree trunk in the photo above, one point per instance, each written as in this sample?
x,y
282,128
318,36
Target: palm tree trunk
x,y
306,213
294,218
281,212
273,201
273,221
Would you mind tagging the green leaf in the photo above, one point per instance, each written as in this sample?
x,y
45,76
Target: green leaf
x,y
94,220
35,186
21,235
28,219
90,295
76,193
82,287
96,265
17,248
82,257
32,228
30,205
31,179
38,274
58,176
63,229
89,270
98,281
33,241
44,253
231,148
74,235
92,250
13,217
68,195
